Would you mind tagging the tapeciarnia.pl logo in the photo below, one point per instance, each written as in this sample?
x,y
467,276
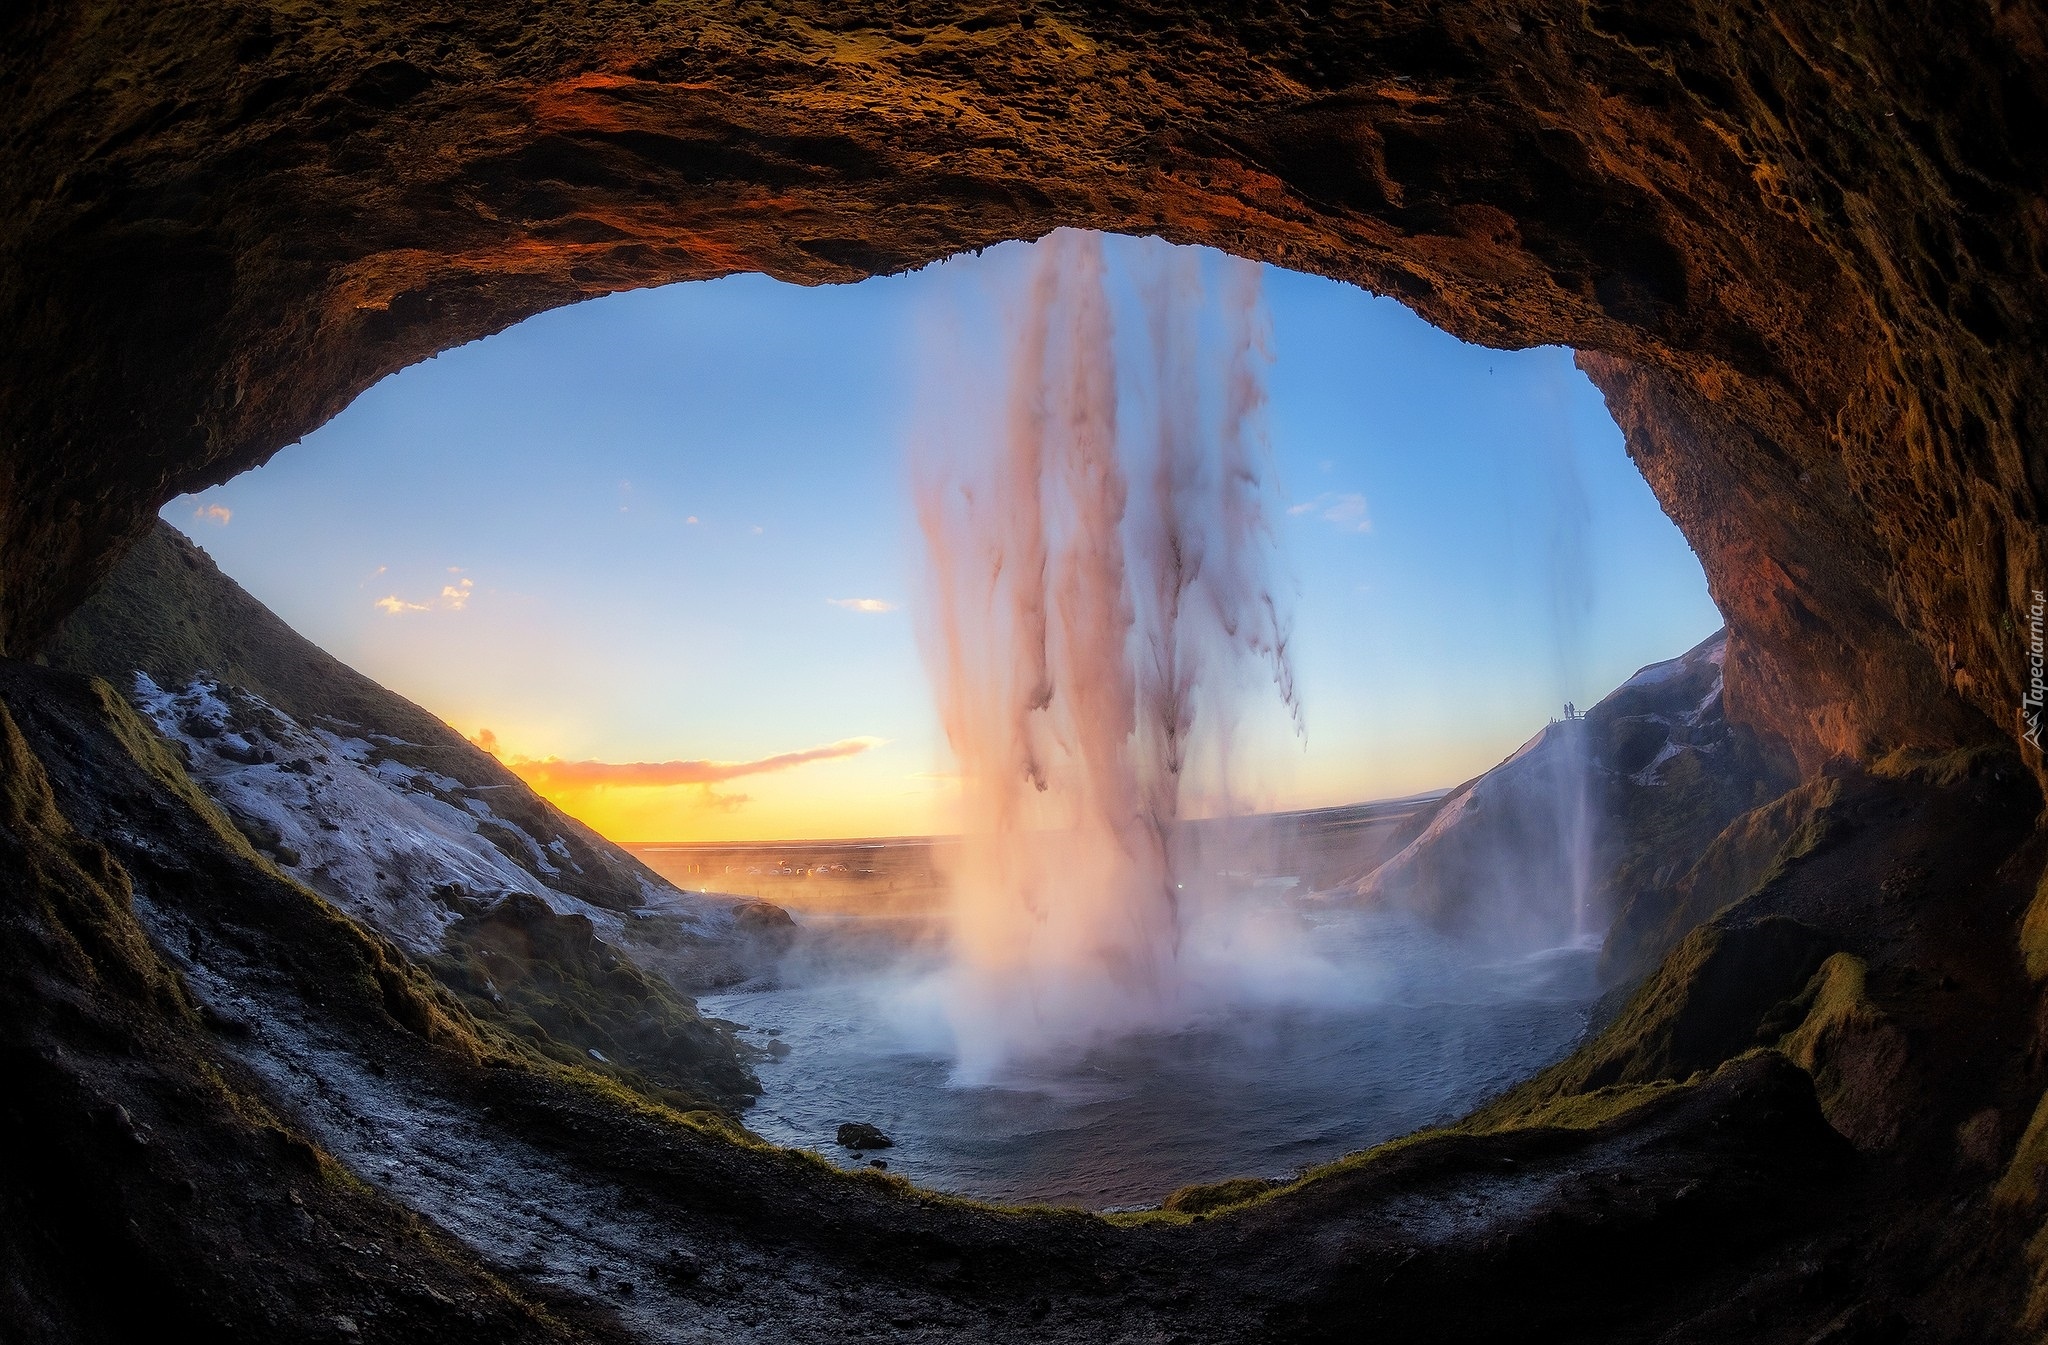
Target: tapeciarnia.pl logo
x,y
2037,659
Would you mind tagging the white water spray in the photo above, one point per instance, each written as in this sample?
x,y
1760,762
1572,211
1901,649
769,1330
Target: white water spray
x,y
1099,544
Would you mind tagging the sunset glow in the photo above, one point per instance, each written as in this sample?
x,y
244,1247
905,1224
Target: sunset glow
x,y
661,546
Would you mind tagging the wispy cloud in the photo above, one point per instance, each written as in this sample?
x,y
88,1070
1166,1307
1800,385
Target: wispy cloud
x,y
453,597
1347,511
557,773
216,514
862,604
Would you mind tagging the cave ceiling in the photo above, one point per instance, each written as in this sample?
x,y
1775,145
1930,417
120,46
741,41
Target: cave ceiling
x,y
1798,246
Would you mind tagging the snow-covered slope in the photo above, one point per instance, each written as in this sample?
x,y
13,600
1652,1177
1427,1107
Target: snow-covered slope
x,y
364,796
405,849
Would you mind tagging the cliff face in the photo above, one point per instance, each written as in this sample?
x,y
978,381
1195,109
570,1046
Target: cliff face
x,y
1595,824
1799,245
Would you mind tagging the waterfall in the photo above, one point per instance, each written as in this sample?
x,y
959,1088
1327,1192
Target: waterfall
x,y
1099,546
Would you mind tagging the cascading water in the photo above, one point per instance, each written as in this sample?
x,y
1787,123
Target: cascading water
x,y
1099,549
1571,581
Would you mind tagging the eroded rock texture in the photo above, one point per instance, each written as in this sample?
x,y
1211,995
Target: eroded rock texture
x,y
1799,244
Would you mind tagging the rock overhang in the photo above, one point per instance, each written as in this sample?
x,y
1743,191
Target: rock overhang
x,y
1793,250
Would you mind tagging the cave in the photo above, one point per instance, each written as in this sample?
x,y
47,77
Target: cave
x,y
1799,251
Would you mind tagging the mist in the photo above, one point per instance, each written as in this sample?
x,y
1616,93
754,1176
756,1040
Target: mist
x,y
1100,555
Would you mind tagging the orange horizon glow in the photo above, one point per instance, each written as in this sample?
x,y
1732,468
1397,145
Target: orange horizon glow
x,y
833,793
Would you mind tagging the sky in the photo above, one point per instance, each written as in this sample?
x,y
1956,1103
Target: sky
x,y
660,548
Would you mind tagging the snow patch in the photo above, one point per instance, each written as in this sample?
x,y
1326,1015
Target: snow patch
x,y
395,846
1648,774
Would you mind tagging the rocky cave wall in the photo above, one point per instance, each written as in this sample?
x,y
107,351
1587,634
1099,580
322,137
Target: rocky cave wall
x,y
1799,244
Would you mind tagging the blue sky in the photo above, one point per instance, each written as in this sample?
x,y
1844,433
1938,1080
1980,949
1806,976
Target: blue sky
x,y
617,532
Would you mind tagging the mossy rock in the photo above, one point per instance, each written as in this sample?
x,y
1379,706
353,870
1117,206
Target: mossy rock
x,y
1749,851
548,978
1210,1197
1707,1003
1856,1054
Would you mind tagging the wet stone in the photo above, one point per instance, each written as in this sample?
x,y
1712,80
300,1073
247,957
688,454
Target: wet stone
x,y
861,1135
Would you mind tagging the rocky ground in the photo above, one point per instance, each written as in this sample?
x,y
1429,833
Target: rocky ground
x,y
307,1097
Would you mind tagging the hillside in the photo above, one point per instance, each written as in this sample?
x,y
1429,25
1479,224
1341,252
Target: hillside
x,y
390,814
1590,828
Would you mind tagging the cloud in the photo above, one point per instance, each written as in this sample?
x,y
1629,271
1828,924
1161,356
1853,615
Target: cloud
x,y
216,514
453,597
486,740
1347,511
862,604
691,519
757,530
553,771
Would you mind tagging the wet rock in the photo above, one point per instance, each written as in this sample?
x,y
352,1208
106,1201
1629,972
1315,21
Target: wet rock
x,y
859,1135
761,917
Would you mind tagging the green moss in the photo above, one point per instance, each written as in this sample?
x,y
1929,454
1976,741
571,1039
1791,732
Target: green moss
x,y
1213,1196
1706,1003
1943,770
1574,1111
2022,1189
549,980
1752,850
1577,1112
148,750
1836,999
2025,1181
84,895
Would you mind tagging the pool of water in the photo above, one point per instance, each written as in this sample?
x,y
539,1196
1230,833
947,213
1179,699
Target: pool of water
x,y
1398,1029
